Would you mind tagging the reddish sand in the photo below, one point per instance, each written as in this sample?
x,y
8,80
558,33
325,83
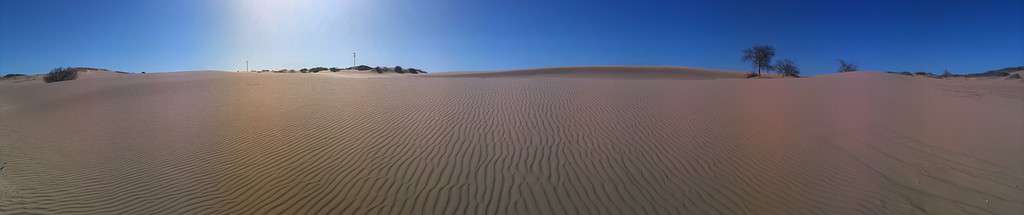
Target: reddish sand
x,y
233,143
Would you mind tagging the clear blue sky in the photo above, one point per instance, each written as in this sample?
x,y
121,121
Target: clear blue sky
x,y
461,35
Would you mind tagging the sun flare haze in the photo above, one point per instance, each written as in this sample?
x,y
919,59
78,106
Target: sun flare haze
x,y
276,33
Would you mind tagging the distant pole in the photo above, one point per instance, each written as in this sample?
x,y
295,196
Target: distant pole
x,y
246,65
353,59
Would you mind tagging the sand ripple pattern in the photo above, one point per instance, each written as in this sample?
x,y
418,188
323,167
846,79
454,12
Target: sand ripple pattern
x,y
252,144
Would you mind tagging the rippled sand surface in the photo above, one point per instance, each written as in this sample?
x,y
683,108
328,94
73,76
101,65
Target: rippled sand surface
x,y
224,143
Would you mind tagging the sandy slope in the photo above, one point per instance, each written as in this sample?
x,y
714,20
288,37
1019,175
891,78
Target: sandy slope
x,y
616,72
234,143
364,74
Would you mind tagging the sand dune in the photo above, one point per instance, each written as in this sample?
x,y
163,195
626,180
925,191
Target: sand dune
x,y
243,143
617,72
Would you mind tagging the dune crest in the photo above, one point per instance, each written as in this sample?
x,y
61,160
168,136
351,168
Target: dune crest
x,y
618,72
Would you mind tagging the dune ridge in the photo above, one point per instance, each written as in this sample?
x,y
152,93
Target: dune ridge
x,y
242,143
618,72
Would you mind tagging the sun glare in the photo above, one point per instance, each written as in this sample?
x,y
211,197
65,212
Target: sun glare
x,y
281,29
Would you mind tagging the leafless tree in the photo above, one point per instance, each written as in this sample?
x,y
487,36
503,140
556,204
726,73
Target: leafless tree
x,y
846,66
760,56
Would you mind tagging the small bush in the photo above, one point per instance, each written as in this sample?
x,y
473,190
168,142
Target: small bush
x,y
787,68
846,66
399,70
14,75
378,70
317,69
60,74
335,69
415,71
361,68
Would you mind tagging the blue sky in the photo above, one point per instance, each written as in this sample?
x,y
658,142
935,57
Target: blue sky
x,y
467,35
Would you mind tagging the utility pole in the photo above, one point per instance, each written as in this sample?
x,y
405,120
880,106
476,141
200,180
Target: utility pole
x,y
246,65
353,59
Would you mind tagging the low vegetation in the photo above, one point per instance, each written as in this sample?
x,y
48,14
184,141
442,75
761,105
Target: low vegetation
x,y
846,66
787,68
381,70
1007,72
760,56
997,73
14,75
61,74
361,68
318,69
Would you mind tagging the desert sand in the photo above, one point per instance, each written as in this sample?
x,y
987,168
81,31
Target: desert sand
x,y
361,74
614,72
525,142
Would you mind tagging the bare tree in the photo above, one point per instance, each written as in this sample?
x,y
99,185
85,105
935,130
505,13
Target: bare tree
x,y
760,56
786,67
846,66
